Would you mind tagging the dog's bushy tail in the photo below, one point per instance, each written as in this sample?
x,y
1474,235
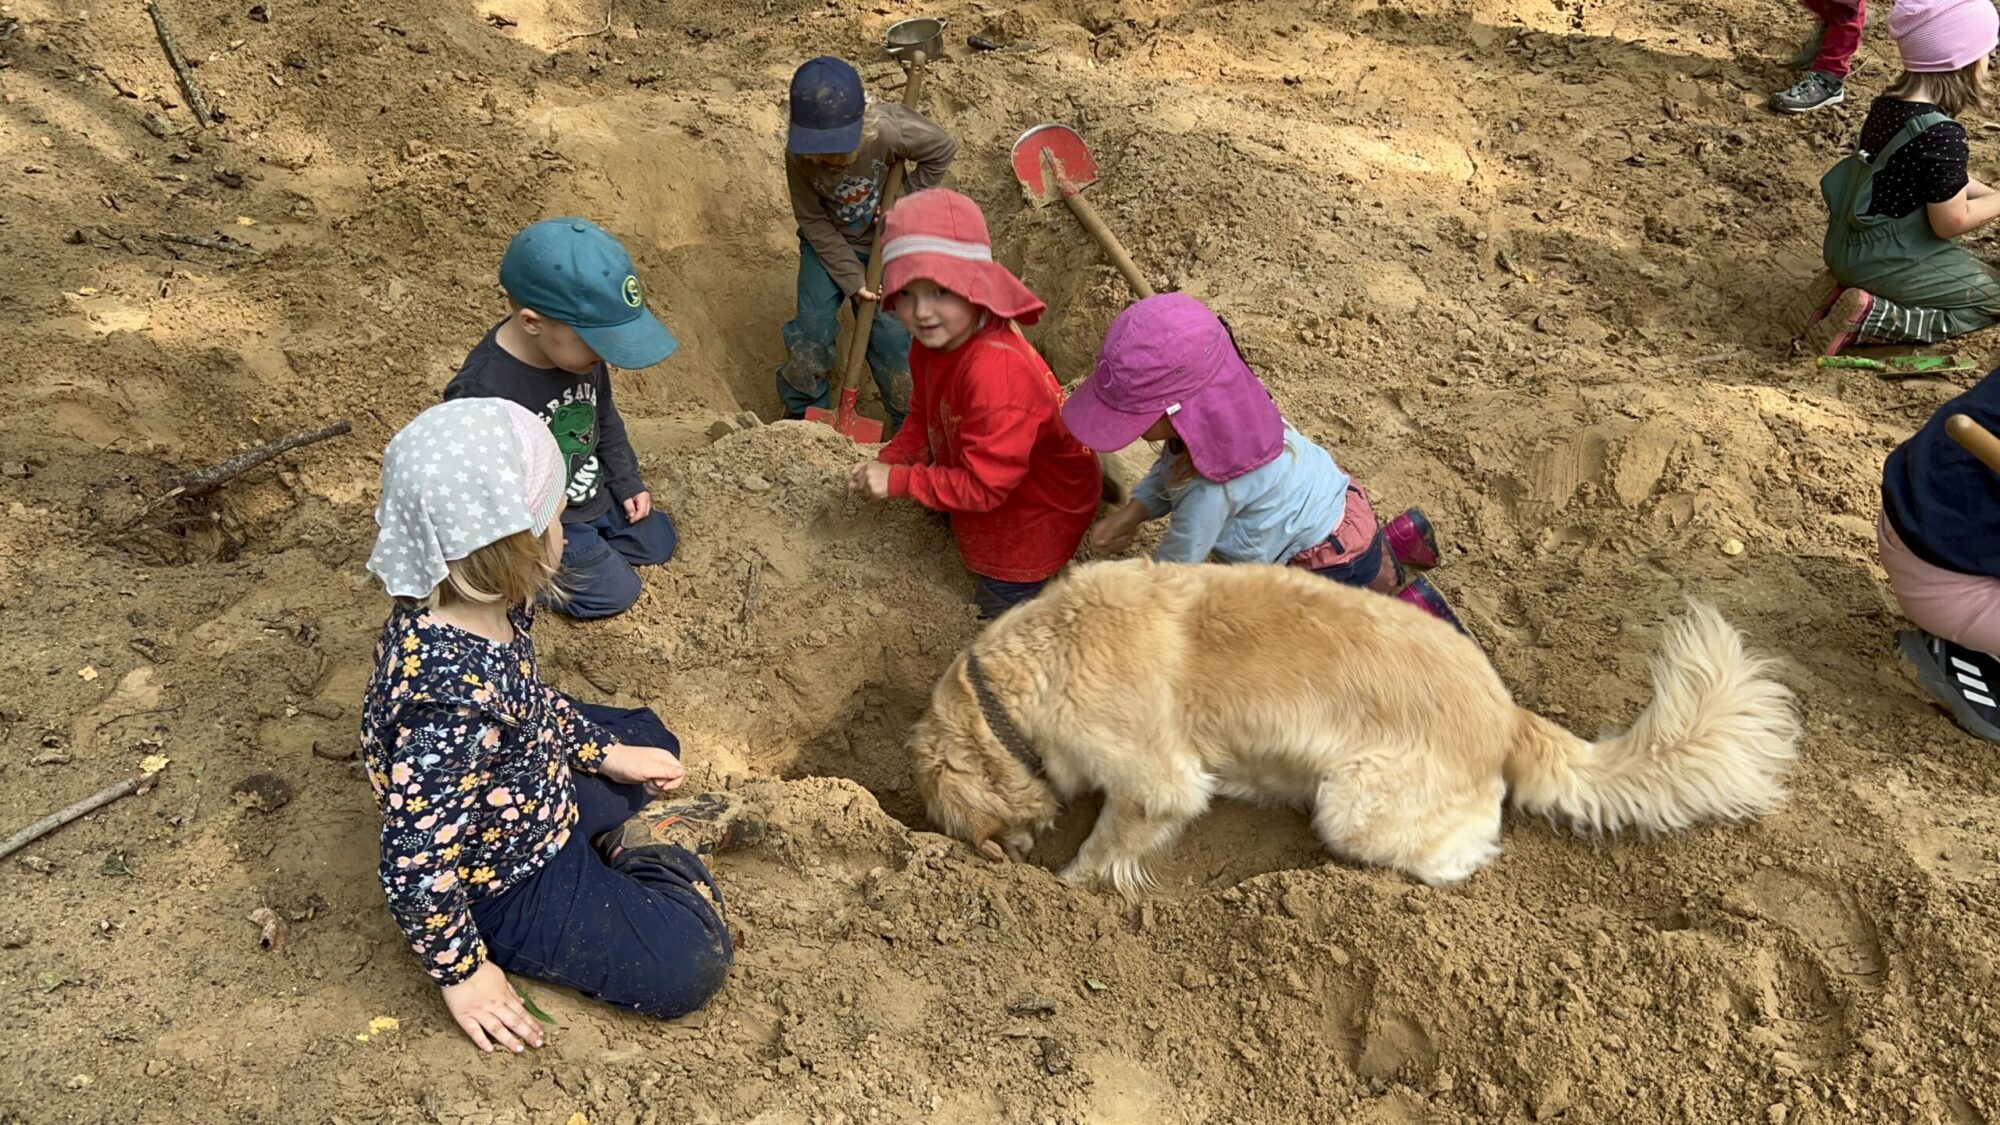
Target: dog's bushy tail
x,y
1713,745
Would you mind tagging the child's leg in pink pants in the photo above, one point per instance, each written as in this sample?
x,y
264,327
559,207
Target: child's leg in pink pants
x,y
1843,20
1961,608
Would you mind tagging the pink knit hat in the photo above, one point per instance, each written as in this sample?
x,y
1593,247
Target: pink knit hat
x,y
1941,36
941,236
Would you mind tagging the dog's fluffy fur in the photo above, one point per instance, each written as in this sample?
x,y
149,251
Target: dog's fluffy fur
x,y
1166,686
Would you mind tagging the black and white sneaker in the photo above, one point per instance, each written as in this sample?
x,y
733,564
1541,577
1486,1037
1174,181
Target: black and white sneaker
x,y
1963,679
1816,90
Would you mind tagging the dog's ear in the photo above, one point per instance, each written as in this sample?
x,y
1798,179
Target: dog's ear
x,y
992,850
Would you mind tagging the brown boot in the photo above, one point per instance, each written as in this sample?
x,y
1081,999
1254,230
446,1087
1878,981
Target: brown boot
x,y
701,823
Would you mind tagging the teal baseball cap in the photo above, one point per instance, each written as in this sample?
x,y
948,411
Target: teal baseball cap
x,y
572,271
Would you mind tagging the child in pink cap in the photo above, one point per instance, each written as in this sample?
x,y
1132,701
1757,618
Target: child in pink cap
x,y
985,443
1895,273
1239,483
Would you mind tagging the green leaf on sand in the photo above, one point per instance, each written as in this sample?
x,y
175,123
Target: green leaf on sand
x,y
534,1009
114,864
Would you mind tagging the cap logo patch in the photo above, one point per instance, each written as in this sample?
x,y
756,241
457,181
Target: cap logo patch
x,y
632,295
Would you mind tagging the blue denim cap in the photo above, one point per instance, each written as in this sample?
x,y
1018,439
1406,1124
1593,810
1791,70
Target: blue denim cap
x,y
827,104
573,272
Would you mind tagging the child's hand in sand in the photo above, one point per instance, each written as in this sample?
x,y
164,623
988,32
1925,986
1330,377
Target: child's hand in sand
x,y
1115,532
870,479
656,769
489,1011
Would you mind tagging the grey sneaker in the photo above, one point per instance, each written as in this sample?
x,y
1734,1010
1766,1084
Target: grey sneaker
x,y
1965,680
1816,90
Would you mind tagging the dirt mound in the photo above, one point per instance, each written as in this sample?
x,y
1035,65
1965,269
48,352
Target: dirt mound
x,y
1511,261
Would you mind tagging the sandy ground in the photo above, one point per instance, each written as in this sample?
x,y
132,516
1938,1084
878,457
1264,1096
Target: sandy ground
x,y
1519,262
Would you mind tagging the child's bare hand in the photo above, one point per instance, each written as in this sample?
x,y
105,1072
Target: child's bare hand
x,y
1110,537
490,1011
638,507
870,479
656,769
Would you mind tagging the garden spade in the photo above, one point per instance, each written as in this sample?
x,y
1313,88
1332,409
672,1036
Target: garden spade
x,y
1052,162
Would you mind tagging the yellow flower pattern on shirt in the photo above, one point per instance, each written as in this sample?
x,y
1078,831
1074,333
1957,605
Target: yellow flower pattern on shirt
x,y
469,754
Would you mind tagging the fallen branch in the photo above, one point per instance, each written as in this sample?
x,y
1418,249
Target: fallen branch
x,y
605,30
204,481
179,63
88,805
205,243
207,480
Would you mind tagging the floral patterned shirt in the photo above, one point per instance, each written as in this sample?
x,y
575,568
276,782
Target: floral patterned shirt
x,y
469,753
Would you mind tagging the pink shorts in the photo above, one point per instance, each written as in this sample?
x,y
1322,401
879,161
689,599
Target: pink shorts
x,y
1963,608
1354,552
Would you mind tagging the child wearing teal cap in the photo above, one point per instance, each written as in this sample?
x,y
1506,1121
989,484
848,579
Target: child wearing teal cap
x,y
578,311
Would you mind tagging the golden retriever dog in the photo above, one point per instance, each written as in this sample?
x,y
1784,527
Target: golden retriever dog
x,y
1166,686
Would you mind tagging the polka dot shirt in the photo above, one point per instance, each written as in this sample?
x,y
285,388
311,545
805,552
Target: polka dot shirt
x,y
1930,169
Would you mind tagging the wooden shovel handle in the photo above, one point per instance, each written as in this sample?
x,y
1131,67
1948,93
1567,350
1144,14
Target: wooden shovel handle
x,y
1977,439
1106,241
864,313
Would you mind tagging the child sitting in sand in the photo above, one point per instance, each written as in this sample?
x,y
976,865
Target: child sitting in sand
x,y
1895,273
1939,535
506,838
1238,481
578,311
986,444
838,153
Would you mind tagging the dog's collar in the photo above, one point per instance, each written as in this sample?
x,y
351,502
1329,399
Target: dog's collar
x,y
997,721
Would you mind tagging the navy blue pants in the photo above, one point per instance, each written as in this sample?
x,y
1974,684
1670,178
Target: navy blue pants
x,y
635,933
598,557
994,597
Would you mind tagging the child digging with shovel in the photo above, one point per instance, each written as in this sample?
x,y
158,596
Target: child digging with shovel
x,y
838,153
1895,273
1238,481
986,444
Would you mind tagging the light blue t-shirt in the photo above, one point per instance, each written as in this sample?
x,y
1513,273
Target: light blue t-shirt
x,y
1267,515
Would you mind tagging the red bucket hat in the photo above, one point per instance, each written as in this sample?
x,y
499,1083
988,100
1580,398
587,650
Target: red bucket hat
x,y
940,235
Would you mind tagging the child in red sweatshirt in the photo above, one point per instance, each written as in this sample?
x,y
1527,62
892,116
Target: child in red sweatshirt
x,y
985,443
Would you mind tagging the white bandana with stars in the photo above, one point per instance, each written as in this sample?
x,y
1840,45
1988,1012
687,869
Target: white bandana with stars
x,y
462,474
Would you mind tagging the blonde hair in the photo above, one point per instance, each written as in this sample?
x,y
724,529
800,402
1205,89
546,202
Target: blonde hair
x,y
513,571
1954,93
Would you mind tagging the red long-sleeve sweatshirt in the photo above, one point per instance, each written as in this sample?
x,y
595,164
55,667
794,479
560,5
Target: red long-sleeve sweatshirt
x,y
985,443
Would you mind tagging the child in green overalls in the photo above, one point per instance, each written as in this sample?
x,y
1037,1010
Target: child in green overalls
x,y
1895,273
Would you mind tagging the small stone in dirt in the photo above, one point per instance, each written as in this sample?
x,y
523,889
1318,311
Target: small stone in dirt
x,y
1055,1057
335,751
229,178
752,482
56,756
721,428
264,792
18,470
78,1082
13,939
1034,1006
38,865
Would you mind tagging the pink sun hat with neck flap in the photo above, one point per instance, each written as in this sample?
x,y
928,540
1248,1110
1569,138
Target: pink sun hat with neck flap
x,y
1169,355
939,235
1941,36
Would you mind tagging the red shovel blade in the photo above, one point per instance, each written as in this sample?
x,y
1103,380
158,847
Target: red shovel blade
x,y
1051,161
847,419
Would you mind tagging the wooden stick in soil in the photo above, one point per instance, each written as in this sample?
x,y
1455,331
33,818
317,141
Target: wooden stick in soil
x,y
605,30
179,63
61,817
205,481
205,243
